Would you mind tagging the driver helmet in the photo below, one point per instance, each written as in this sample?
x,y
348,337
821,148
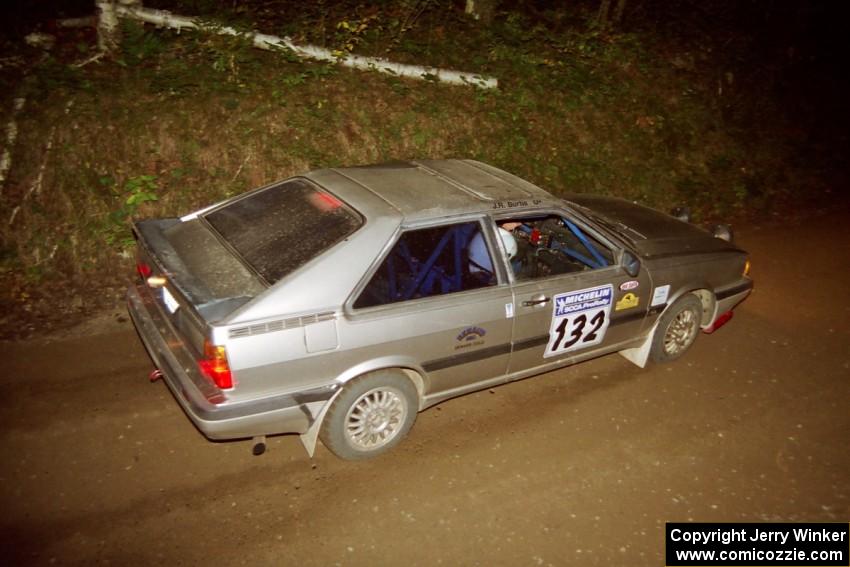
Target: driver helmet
x,y
480,257
509,242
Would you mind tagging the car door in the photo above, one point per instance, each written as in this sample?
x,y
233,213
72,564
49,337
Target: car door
x,y
426,305
572,298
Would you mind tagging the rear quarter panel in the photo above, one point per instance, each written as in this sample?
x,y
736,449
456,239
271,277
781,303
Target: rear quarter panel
x,y
401,335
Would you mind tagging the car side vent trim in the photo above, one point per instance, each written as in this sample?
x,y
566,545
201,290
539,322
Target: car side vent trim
x,y
280,325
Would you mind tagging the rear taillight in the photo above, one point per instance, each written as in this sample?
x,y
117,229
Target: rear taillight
x,y
144,270
215,366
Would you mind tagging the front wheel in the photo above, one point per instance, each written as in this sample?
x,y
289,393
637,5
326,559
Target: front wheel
x,y
677,329
370,416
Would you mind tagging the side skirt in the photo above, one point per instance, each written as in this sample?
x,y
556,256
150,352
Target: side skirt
x,y
437,397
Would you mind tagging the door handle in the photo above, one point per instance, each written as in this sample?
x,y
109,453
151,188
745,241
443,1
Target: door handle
x,y
538,299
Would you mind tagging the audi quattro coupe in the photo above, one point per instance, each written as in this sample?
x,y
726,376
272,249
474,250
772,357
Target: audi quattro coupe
x,y
340,303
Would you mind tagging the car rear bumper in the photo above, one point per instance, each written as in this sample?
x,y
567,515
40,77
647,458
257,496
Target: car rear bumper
x,y
209,408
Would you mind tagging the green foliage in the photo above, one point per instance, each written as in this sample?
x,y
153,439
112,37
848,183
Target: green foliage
x,y
350,34
228,55
302,75
51,74
134,194
578,110
139,190
138,43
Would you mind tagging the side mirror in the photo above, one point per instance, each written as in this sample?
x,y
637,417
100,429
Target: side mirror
x,y
723,232
630,263
681,213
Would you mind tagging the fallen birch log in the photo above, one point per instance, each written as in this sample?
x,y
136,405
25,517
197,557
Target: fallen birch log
x,y
109,12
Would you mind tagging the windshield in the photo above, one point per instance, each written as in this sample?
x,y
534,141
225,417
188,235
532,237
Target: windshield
x,y
278,229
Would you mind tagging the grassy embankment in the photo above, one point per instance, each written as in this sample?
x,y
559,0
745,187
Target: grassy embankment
x,y
175,122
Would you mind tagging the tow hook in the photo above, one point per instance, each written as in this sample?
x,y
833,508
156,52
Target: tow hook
x,y
259,445
155,375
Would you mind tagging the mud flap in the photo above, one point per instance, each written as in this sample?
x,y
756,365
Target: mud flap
x,y
640,355
317,410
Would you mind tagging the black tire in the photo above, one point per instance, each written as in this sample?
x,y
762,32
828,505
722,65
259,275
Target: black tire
x,y
371,415
677,329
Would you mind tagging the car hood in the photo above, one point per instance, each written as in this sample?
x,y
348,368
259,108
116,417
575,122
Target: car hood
x,y
653,233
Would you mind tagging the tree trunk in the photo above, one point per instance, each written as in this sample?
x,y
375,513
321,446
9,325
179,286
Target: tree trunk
x,y
108,29
108,34
604,18
482,10
602,14
618,11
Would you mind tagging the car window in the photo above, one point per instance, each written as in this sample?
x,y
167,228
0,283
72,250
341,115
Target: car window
x,y
431,261
549,245
278,229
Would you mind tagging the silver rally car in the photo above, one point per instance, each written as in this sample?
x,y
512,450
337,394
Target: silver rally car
x,y
340,303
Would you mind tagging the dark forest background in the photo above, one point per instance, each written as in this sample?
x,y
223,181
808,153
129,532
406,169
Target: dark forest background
x,y
736,109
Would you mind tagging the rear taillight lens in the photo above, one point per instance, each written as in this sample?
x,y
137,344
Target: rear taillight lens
x,y
215,366
144,270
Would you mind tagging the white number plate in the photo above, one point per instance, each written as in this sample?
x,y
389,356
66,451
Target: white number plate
x,y
170,303
579,319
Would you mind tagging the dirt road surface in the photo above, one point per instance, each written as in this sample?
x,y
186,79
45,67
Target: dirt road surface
x,y
581,466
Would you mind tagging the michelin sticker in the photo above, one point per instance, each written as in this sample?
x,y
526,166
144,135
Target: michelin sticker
x,y
579,319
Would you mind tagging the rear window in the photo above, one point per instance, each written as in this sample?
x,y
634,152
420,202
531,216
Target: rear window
x,y
278,229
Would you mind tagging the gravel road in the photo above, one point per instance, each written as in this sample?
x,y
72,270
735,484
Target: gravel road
x,y
580,466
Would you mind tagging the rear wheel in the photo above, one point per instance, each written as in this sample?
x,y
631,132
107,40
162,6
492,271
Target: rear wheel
x,y
370,416
677,330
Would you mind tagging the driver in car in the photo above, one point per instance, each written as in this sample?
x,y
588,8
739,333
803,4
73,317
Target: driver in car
x,y
479,257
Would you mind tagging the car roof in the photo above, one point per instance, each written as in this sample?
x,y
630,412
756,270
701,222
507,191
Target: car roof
x,y
427,189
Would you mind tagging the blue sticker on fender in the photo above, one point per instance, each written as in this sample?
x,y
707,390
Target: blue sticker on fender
x,y
579,319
